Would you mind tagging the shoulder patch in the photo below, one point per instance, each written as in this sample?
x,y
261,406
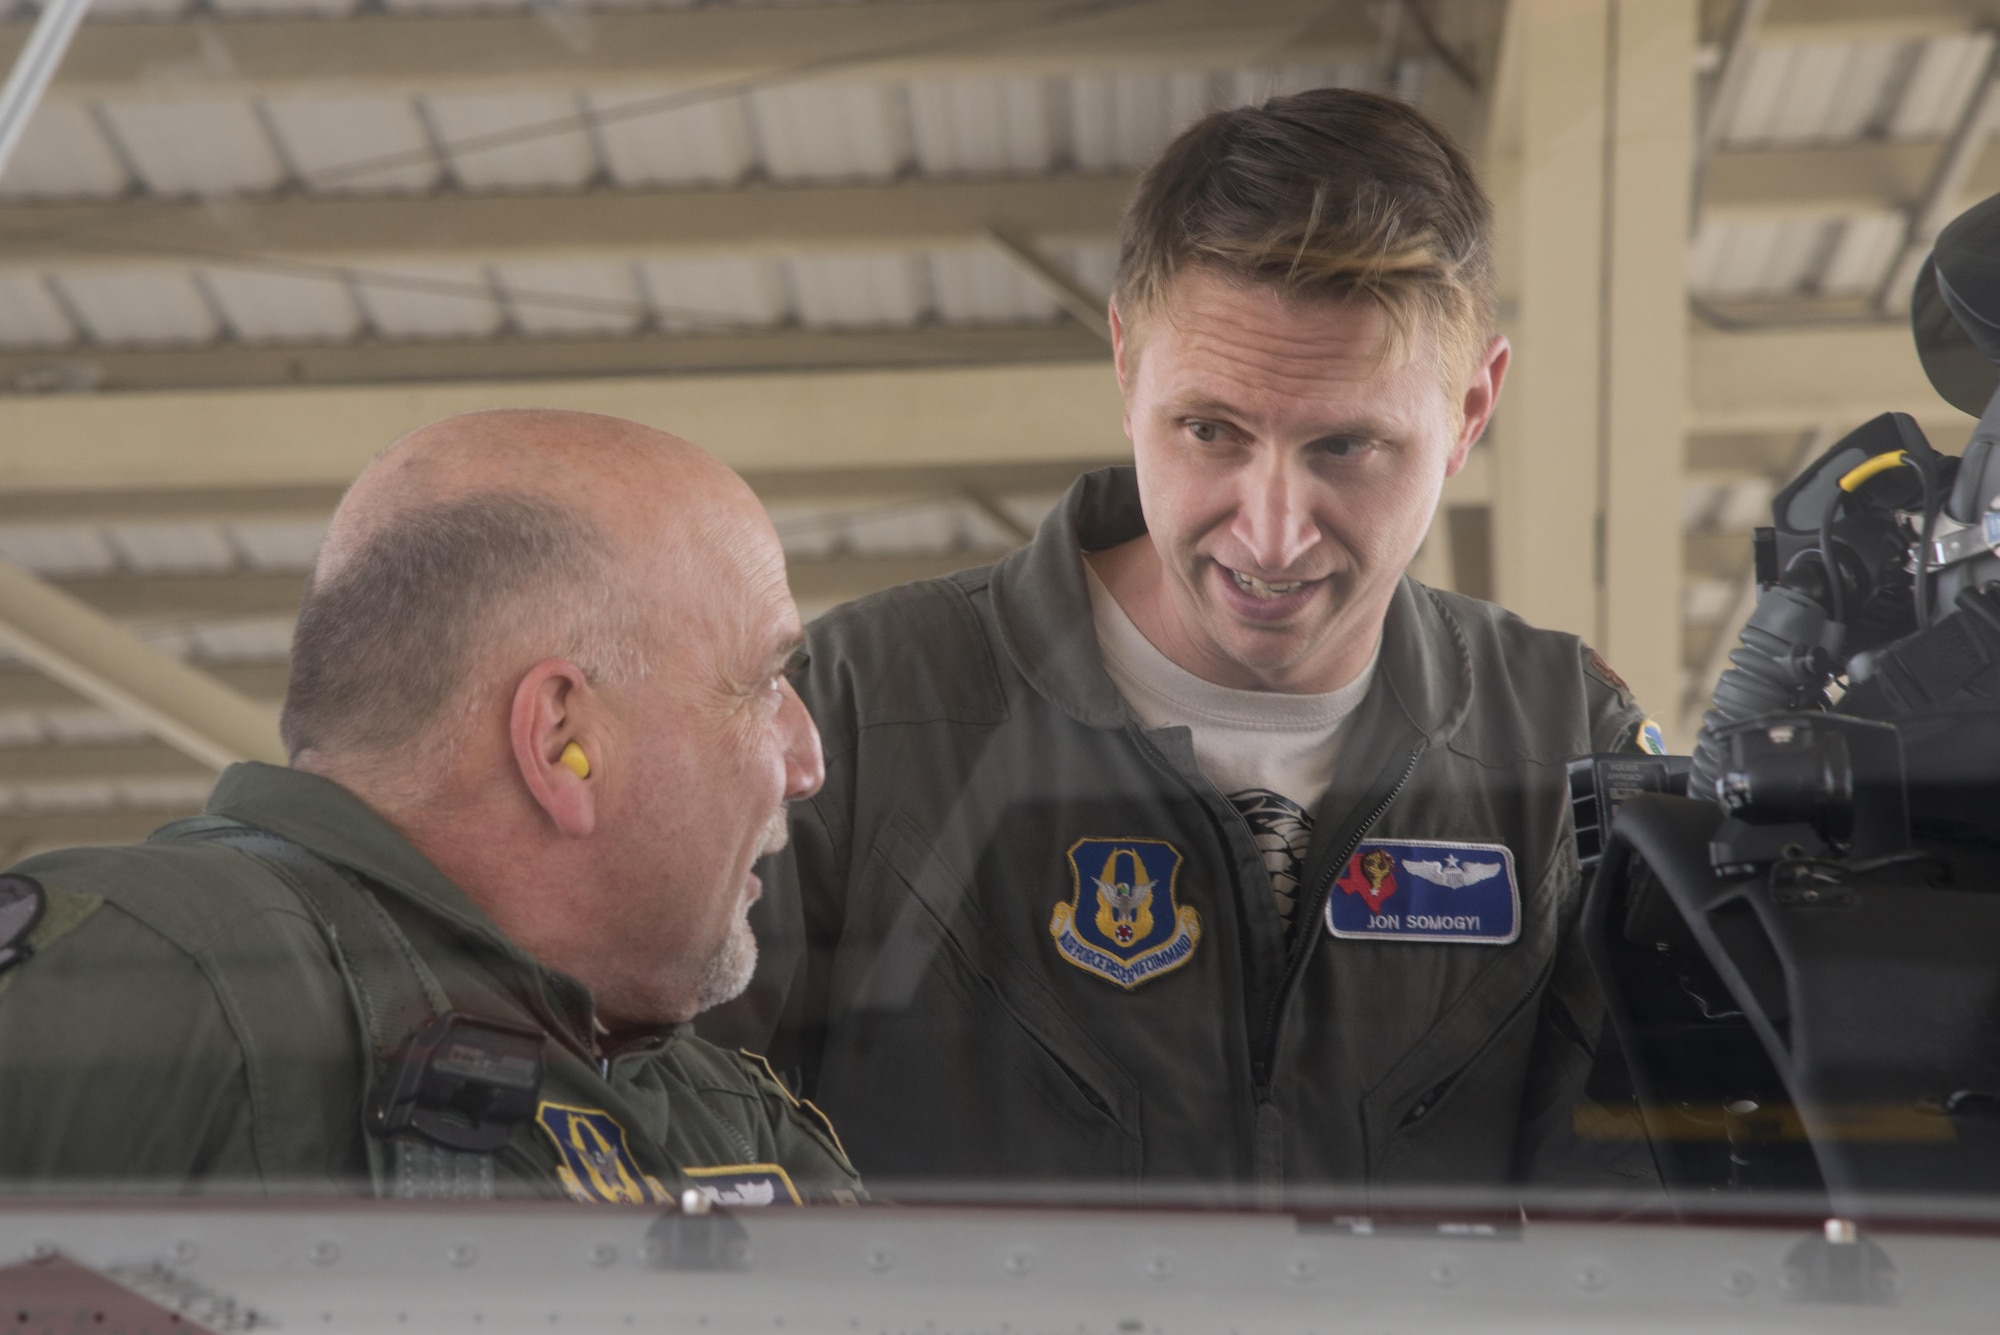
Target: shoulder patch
x,y
22,901
1122,921
597,1167
1427,890
1650,738
1598,668
61,912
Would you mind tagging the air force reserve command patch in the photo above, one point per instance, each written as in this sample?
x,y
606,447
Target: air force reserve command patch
x,y
596,1168
1425,890
1122,922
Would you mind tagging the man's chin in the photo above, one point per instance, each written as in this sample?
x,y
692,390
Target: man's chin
x,y
730,971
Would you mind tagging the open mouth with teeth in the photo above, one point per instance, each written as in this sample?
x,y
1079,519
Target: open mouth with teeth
x,y
1250,584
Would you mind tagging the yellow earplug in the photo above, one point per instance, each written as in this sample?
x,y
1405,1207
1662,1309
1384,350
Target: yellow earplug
x,y
575,760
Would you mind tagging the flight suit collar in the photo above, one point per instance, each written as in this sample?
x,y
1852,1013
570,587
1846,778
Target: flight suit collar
x,y
1042,600
331,821
326,818
1042,604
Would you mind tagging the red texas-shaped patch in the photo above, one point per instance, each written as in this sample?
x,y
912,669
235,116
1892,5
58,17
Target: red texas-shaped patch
x,y
1372,875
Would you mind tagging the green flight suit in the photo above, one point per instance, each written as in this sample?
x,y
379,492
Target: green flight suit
x,y
182,1021
931,966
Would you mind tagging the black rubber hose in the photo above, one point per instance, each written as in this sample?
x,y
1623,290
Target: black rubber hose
x,y
1773,669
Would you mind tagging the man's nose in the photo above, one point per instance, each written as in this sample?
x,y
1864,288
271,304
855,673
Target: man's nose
x,y
805,763
1274,519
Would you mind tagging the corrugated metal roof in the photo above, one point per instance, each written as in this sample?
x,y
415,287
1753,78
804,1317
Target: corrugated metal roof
x,y
714,294
1821,94
429,301
265,307
136,305
169,548
980,286
325,139
29,315
858,291
580,297
986,127
1832,92
487,149
277,544
63,155
155,547
830,132
196,148
704,143
58,549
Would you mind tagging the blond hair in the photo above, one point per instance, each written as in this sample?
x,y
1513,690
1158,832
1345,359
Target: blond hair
x,y
1333,193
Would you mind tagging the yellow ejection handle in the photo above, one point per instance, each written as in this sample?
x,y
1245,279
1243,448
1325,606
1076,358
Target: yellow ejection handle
x,y
1868,468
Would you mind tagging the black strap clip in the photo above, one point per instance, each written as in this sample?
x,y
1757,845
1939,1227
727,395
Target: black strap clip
x,y
461,1083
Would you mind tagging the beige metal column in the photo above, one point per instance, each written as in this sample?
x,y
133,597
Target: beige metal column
x,y
1548,164
1591,159
101,661
1645,347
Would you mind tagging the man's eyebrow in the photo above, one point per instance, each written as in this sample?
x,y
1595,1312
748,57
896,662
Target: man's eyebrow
x,y
790,645
1367,428
1208,407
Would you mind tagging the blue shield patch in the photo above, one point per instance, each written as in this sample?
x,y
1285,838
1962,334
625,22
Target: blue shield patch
x,y
1427,890
596,1167
1122,921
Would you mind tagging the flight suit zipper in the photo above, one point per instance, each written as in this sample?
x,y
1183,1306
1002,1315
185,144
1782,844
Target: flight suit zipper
x,y
1309,913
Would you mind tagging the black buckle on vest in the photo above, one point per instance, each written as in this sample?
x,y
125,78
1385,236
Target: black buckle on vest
x,y
461,1083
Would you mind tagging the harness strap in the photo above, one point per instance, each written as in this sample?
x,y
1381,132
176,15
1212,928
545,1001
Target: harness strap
x,y
394,994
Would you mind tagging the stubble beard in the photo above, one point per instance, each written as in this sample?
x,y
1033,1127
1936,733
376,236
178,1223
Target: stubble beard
x,y
734,963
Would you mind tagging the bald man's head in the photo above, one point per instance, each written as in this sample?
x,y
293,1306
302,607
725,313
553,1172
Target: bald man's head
x,y
477,545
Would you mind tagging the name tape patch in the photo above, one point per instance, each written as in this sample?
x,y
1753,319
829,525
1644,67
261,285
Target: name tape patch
x,y
745,1185
1427,890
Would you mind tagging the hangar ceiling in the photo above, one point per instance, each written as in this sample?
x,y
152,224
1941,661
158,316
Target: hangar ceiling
x,y
854,247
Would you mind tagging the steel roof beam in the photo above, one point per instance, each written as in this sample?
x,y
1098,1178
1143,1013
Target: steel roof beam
x,y
108,665
374,361
616,224
1874,20
1779,380
1873,177
262,682
1036,413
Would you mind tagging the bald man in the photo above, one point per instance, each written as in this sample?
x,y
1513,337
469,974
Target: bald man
x,y
540,728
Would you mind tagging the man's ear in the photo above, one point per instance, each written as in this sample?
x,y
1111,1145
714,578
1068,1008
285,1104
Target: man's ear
x,y
553,711
1482,395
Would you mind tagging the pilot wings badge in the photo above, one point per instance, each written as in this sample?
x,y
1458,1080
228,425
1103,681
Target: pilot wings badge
x,y
1121,921
1427,890
1451,872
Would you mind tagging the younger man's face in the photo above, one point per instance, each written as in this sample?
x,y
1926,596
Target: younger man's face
x,y
1288,469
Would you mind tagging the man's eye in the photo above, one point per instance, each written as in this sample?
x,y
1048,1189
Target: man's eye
x,y
1205,432
1340,446
795,665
